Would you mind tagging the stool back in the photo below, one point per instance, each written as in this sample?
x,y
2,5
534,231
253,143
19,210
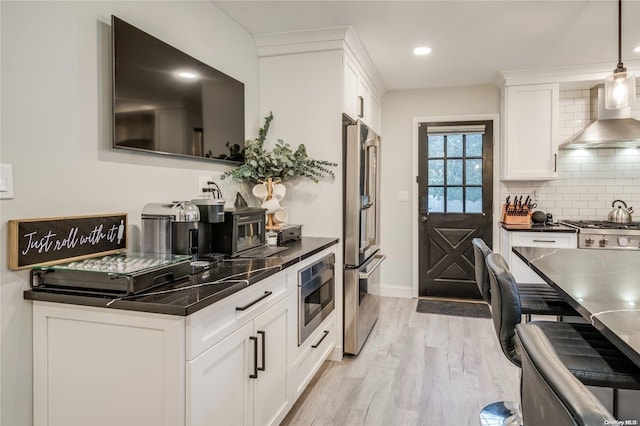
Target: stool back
x,y
481,250
505,305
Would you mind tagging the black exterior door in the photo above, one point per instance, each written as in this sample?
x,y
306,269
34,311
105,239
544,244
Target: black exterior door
x,y
456,192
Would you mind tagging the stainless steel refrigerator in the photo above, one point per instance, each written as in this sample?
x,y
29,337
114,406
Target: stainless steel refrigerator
x,y
362,256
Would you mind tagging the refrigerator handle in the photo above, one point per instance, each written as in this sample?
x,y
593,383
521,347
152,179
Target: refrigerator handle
x,y
366,275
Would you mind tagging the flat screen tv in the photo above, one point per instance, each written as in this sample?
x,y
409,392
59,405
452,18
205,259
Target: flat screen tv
x,y
167,102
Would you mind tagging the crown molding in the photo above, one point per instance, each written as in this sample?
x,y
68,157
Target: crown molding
x,y
569,75
341,38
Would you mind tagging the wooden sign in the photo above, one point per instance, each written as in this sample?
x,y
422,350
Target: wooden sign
x,y
47,241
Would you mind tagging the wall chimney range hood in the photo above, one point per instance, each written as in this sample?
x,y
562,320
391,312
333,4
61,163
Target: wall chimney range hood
x,y
610,128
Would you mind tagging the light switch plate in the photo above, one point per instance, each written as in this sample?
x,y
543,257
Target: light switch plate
x,y
403,196
6,181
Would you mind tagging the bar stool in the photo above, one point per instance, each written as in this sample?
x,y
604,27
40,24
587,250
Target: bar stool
x,y
550,394
535,298
588,355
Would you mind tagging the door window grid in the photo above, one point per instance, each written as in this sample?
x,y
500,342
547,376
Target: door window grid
x,y
454,173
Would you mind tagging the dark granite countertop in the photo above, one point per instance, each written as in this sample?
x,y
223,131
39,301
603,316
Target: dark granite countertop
x,y
602,285
543,227
200,290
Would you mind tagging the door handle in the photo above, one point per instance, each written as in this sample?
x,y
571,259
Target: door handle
x,y
263,334
255,358
423,218
366,275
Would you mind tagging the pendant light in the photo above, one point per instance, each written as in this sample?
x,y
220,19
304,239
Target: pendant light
x,y
620,87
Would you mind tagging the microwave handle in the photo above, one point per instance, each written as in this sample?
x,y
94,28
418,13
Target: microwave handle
x,y
366,275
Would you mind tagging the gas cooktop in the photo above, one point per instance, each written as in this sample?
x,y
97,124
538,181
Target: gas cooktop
x,y
606,235
601,224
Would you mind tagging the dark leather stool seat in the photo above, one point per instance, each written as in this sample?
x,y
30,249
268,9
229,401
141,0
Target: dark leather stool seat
x,y
589,356
535,298
541,299
550,393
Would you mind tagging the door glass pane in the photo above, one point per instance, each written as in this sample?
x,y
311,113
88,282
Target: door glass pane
x,y
474,145
436,172
474,199
474,172
436,199
454,145
436,146
454,199
454,172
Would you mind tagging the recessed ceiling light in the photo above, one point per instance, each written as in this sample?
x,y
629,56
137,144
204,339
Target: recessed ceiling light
x,y
637,49
423,50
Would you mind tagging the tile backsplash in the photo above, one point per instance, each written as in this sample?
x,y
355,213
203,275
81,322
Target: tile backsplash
x,y
588,180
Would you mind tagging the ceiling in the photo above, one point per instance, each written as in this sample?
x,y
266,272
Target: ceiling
x,y
471,41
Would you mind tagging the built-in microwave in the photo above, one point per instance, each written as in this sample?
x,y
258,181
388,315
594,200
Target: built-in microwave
x,y
242,229
316,295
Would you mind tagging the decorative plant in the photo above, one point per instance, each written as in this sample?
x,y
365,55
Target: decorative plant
x,y
280,163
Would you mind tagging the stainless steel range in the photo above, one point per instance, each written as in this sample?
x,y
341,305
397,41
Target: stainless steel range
x,y
606,235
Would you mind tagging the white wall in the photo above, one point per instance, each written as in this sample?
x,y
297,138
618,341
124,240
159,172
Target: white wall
x,y
303,92
589,180
56,134
398,110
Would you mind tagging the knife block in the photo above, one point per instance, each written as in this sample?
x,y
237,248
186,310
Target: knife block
x,y
515,219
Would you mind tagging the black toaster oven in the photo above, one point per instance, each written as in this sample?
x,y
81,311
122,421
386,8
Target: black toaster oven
x,y
242,229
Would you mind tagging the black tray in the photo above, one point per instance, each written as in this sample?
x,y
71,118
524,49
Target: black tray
x,y
124,273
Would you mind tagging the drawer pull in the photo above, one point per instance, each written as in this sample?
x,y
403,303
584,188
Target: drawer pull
x,y
544,241
245,307
326,333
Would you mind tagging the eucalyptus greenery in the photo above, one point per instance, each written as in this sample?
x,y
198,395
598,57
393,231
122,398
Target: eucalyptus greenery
x,y
280,163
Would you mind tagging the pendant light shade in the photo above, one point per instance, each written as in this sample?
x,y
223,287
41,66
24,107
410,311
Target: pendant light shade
x,y
620,87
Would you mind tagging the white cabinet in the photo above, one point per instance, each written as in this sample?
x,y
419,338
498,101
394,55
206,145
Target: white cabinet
x,y
244,379
106,367
231,363
359,99
509,239
530,132
313,352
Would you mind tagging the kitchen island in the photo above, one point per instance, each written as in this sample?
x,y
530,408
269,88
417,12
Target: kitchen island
x,y
602,285
218,348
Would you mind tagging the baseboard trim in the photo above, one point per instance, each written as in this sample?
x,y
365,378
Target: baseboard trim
x,y
395,291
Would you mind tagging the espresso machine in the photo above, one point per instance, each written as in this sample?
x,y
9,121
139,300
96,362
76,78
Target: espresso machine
x,y
170,228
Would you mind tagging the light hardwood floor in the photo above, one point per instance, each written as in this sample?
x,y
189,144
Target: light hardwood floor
x,y
415,369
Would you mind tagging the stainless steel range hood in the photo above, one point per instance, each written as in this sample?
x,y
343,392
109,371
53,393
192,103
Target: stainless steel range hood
x,y
610,128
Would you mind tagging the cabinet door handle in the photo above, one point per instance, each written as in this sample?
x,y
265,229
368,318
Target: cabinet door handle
x,y
361,100
555,162
326,333
544,241
263,334
255,358
247,306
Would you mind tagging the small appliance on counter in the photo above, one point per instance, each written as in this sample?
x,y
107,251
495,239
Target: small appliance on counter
x,y
122,273
241,230
289,233
170,228
211,212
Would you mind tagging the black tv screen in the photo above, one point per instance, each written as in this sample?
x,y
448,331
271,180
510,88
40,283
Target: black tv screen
x,y
168,102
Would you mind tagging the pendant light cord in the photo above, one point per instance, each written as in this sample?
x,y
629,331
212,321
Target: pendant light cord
x,y
620,67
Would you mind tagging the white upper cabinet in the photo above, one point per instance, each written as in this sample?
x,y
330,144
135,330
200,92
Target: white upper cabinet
x,y
530,132
359,98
